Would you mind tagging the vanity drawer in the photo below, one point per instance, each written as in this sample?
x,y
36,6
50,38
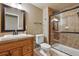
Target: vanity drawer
x,y
27,49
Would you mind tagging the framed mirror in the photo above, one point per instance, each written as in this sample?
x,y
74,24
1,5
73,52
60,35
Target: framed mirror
x,y
13,19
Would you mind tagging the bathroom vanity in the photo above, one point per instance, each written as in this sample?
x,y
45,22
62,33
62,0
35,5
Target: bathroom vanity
x,y
11,20
17,46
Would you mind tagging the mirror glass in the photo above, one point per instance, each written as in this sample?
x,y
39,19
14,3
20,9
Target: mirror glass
x,y
14,19
11,22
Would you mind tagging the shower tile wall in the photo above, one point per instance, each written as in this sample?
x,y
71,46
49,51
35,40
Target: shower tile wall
x,y
69,19
71,40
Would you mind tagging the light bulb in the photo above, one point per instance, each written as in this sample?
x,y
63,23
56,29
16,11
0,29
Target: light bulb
x,y
55,19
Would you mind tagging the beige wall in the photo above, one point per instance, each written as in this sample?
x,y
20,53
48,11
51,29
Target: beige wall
x,y
46,24
33,17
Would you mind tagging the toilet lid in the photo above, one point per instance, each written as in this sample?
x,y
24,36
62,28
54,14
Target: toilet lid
x,y
45,45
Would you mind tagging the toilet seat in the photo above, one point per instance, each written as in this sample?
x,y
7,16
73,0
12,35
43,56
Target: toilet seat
x,y
45,46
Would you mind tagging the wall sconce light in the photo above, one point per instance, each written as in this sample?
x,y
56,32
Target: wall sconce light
x,y
54,20
19,5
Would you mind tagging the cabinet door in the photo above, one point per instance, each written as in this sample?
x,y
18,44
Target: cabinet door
x,y
27,49
4,54
16,52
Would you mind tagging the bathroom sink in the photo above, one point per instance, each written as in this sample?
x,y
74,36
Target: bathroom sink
x,y
10,37
19,35
15,36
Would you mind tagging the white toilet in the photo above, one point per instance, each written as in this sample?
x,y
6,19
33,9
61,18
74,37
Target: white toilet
x,y
40,42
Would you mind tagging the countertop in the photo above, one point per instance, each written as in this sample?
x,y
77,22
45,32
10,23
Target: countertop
x,y
4,40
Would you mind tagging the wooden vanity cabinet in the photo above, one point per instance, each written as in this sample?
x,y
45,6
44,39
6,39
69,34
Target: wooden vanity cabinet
x,y
21,47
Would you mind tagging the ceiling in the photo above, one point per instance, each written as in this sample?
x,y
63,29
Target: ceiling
x,y
56,6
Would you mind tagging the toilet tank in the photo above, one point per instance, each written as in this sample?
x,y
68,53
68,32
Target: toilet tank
x,y
39,38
